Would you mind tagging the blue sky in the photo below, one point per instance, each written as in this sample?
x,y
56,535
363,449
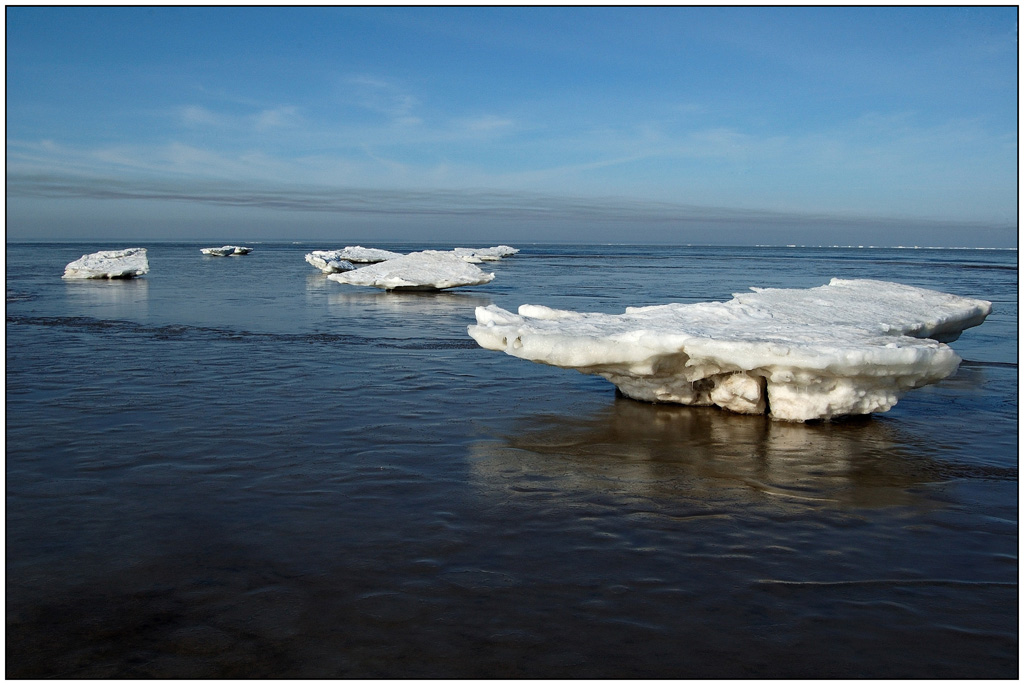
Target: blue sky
x,y
688,125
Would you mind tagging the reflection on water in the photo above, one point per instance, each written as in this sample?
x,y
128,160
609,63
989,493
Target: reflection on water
x,y
669,452
109,299
412,301
316,282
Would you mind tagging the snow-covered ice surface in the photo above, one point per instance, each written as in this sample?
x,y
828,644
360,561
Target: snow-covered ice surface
x,y
365,255
427,270
849,347
332,261
226,251
329,261
127,263
485,254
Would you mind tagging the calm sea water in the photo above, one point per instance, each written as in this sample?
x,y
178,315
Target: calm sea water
x,y
234,467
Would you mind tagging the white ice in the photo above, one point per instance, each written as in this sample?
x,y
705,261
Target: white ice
x,y
849,347
476,255
226,251
329,261
428,270
127,263
365,255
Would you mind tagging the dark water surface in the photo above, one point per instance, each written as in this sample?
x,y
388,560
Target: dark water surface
x,y
234,467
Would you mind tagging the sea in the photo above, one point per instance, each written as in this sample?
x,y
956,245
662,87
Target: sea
x,y
238,468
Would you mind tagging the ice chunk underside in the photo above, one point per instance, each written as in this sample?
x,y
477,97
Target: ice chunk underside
x,y
849,347
127,263
427,270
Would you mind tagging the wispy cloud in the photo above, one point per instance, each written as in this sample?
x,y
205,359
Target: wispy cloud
x,y
195,115
127,161
259,120
486,124
278,117
384,97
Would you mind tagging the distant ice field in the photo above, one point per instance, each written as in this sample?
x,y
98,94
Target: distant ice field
x,y
241,468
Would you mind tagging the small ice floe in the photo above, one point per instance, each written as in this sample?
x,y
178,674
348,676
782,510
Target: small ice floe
x,y
849,347
127,263
428,270
226,251
485,254
329,261
365,255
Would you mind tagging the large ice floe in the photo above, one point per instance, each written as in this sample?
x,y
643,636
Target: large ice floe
x,y
127,263
427,270
849,347
226,251
329,261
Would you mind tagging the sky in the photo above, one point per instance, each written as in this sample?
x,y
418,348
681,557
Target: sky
x,y
487,125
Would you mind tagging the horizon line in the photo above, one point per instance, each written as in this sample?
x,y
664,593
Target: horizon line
x,y
440,202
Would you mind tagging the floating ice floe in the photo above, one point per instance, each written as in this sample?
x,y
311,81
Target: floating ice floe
x,y
226,251
329,261
127,263
365,255
849,347
428,270
485,254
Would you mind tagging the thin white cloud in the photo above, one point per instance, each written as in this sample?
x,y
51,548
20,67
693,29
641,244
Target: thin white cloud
x,y
486,124
278,117
381,96
261,120
195,115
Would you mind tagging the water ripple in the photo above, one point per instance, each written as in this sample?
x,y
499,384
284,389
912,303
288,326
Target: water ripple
x,y
199,333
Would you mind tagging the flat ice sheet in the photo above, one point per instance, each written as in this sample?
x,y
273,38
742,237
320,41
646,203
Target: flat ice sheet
x,y
850,347
476,255
226,251
365,255
427,270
